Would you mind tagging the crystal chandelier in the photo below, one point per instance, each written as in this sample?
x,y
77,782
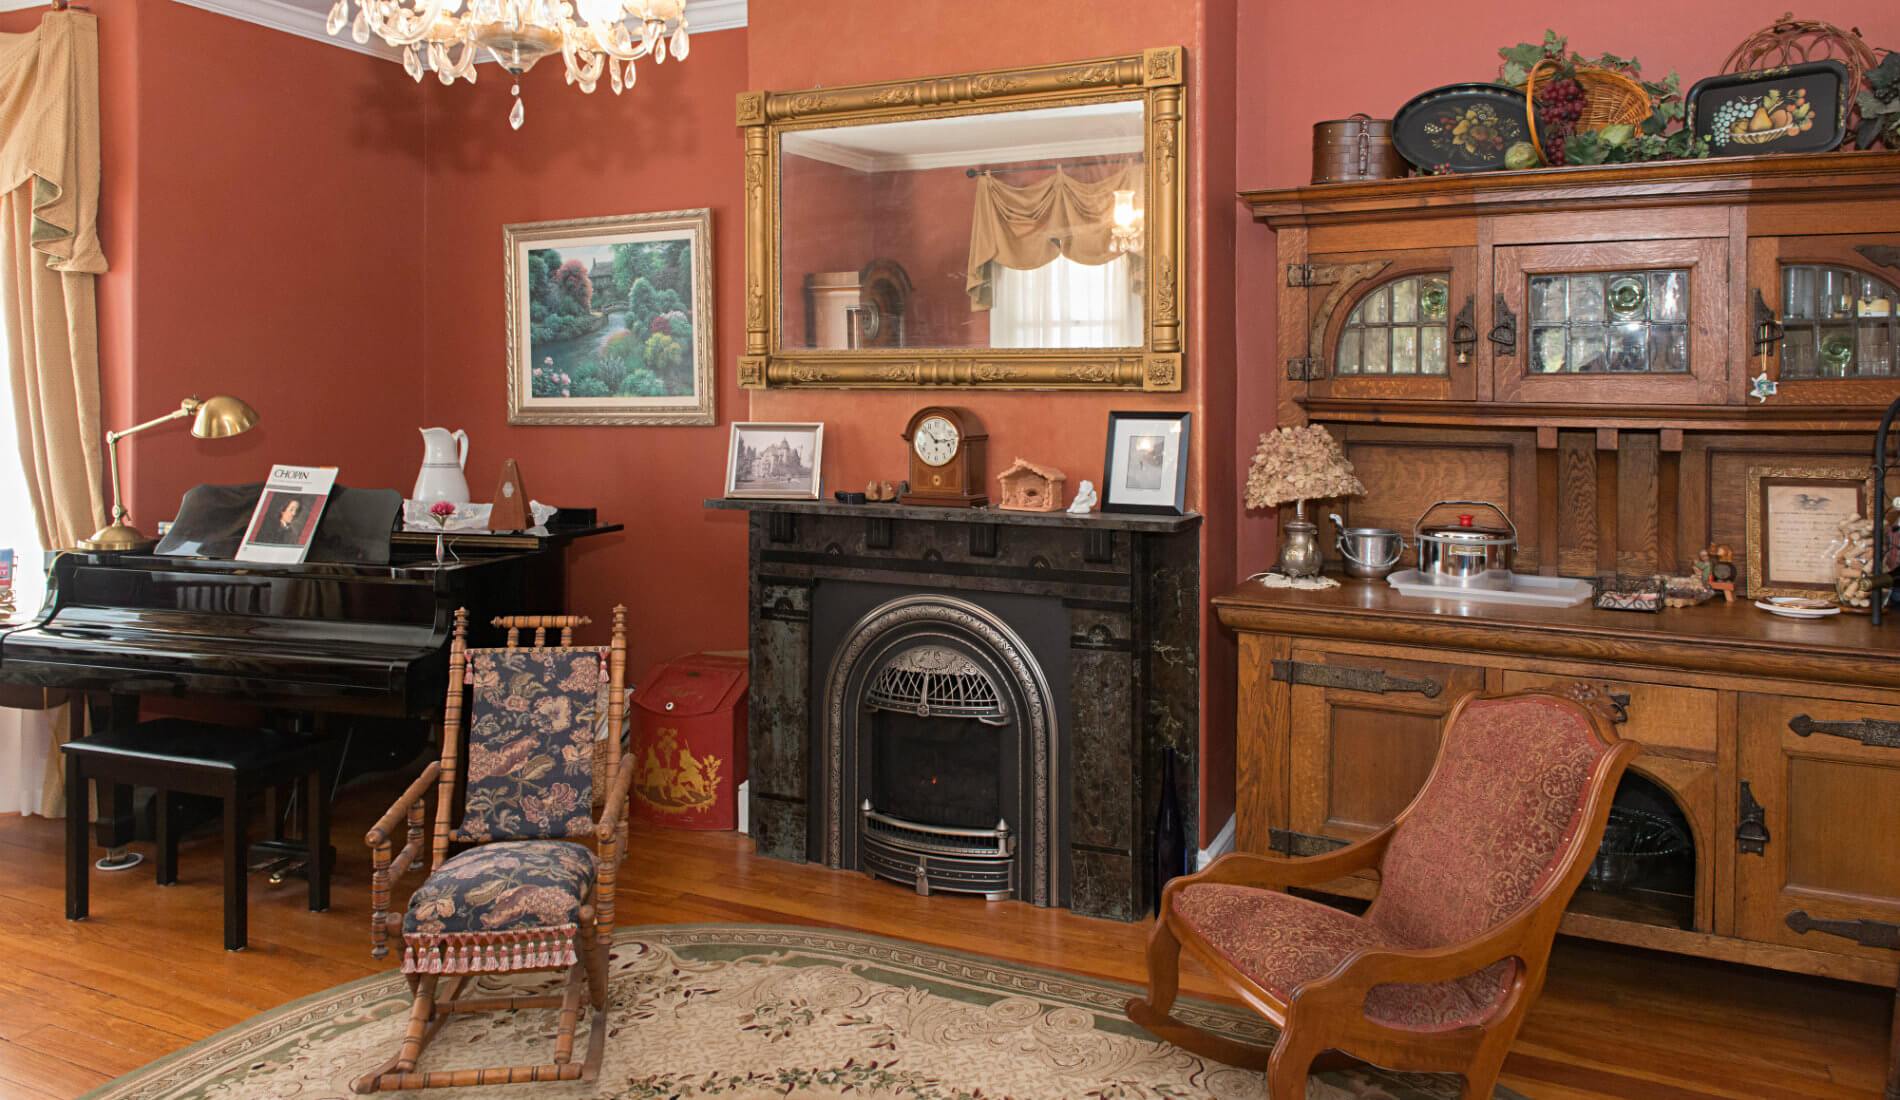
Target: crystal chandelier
x,y
592,36
1124,231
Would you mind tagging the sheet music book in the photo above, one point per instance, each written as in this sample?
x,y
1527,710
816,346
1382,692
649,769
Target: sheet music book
x,y
286,516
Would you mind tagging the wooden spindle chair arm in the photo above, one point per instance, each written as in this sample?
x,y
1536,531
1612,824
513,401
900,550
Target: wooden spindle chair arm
x,y
404,806
613,813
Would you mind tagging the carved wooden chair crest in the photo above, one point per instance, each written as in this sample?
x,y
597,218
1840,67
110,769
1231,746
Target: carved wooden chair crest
x,y
529,775
1438,974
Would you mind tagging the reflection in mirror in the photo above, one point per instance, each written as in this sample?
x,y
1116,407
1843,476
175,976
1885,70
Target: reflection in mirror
x,y
1018,229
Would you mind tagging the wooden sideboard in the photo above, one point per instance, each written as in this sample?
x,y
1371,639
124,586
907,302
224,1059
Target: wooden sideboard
x,y
1581,347
1778,740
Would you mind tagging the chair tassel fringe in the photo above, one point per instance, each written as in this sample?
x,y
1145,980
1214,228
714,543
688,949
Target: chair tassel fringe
x,y
488,952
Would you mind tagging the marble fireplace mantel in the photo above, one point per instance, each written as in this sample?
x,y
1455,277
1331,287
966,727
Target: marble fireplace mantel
x,y
1111,603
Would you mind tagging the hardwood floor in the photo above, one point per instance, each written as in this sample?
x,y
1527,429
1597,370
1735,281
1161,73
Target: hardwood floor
x,y
81,1003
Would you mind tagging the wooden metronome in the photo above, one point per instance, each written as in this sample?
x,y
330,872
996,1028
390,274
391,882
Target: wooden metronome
x,y
510,510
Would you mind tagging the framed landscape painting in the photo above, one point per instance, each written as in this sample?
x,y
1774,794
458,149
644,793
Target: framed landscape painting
x,y
610,320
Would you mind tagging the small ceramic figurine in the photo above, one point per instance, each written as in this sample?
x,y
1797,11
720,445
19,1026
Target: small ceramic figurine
x,y
1085,498
1716,566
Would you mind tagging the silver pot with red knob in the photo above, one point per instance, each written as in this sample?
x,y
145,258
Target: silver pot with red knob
x,y
1466,553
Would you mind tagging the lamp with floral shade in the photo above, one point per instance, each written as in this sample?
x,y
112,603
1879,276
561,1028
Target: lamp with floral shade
x,y
1295,465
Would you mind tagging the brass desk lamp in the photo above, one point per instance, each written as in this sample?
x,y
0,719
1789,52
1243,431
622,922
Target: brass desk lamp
x,y
213,418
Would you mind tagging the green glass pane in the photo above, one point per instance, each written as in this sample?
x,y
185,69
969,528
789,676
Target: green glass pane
x,y
1548,349
1629,347
1547,298
1405,301
1668,295
1434,298
1797,292
1668,349
1628,297
1431,350
1586,298
1875,356
1587,346
1376,347
1836,358
1348,352
1404,348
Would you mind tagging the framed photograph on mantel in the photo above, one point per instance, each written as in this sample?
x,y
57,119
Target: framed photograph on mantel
x,y
1793,518
1145,470
775,461
610,320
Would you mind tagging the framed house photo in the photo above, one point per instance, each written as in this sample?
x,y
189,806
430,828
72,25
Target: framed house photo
x,y
775,461
1145,469
1792,523
610,320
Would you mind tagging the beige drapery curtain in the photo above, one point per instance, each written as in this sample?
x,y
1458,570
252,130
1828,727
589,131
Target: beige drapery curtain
x,y
1029,226
49,262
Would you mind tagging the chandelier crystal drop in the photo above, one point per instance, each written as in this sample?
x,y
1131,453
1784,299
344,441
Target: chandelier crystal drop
x,y
593,37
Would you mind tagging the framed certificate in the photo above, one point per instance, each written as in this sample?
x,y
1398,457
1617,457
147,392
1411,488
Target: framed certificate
x,y
1793,523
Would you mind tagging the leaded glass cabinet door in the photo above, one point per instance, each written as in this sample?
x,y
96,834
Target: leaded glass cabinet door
x,y
1630,322
1397,324
1831,307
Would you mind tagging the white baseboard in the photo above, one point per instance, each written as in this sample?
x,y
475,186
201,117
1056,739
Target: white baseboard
x,y
1223,843
745,808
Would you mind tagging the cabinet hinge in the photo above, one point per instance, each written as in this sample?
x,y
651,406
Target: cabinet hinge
x,y
1305,369
1751,835
1867,933
1371,680
1299,274
1302,844
1868,731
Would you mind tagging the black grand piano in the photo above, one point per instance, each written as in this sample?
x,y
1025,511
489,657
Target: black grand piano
x,y
321,647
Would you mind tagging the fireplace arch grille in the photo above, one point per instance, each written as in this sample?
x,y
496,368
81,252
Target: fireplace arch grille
x,y
929,680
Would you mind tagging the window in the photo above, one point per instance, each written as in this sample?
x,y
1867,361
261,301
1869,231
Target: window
x,y
1625,322
1064,304
1839,323
1399,328
18,531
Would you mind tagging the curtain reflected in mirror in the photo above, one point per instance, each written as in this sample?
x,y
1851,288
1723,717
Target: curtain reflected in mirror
x,y
1013,229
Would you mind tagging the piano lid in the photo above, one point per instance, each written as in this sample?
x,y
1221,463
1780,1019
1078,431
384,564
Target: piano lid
x,y
355,526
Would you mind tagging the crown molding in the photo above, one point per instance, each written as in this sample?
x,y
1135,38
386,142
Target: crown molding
x,y
862,161
703,15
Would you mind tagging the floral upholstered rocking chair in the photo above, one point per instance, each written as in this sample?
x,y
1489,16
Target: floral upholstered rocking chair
x,y
533,774
1438,974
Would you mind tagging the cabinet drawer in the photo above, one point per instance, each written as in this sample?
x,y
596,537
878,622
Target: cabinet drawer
x,y
1659,716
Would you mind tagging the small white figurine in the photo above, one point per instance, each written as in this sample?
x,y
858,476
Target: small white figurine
x,y
1085,499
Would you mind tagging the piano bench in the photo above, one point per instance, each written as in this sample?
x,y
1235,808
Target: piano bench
x,y
181,756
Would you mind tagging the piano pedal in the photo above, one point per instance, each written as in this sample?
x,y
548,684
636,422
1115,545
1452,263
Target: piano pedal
x,y
119,858
277,868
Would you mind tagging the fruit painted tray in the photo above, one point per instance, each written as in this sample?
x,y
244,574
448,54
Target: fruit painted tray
x,y
1790,109
1460,127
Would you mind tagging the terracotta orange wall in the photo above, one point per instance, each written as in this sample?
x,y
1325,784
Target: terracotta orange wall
x,y
795,44
669,145
1400,51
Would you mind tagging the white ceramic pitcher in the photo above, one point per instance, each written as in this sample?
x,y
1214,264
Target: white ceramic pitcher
x,y
444,454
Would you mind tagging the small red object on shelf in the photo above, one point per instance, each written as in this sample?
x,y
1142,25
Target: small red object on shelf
x,y
690,746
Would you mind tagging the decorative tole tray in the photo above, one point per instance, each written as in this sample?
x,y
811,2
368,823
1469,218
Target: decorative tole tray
x,y
1526,588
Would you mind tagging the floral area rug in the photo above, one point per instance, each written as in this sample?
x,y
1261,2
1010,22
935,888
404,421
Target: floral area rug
x,y
749,1012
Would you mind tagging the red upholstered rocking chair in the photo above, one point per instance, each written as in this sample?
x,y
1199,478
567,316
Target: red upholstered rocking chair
x,y
518,789
1438,974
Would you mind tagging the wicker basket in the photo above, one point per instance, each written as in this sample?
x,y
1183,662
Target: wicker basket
x,y
1610,99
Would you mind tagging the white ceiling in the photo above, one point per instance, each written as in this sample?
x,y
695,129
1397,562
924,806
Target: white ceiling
x,y
305,18
1094,129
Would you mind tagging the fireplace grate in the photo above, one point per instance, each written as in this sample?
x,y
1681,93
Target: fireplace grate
x,y
935,858
937,681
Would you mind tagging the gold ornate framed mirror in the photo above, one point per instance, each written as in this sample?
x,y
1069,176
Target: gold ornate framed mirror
x,y
1015,229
